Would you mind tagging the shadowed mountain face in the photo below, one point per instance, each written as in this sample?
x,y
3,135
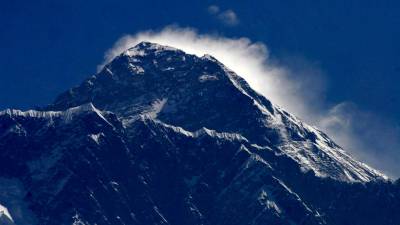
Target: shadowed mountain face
x,y
163,137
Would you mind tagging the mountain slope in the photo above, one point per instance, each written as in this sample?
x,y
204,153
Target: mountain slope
x,y
163,137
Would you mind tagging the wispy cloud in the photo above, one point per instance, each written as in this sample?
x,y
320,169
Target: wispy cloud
x,y
213,9
227,17
296,84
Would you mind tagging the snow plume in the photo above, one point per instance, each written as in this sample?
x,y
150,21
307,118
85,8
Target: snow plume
x,y
370,138
293,83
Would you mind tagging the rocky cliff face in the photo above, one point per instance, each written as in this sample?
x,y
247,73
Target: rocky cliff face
x,y
163,137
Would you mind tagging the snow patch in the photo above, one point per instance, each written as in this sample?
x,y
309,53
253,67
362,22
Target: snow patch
x,y
96,137
156,108
114,186
168,69
206,77
164,221
136,69
4,213
134,52
267,199
77,220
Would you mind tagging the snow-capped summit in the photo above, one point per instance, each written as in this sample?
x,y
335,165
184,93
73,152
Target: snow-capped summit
x,y
146,48
159,136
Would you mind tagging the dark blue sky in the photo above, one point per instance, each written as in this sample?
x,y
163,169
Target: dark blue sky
x,y
49,46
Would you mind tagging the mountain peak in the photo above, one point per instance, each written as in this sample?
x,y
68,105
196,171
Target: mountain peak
x,y
152,45
145,48
191,92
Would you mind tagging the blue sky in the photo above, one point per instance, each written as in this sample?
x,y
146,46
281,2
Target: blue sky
x,y
352,46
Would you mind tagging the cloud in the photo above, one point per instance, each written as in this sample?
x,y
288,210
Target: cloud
x,y
213,9
294,83
227,17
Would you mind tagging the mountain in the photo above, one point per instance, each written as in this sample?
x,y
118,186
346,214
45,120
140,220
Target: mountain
x,y
159,136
